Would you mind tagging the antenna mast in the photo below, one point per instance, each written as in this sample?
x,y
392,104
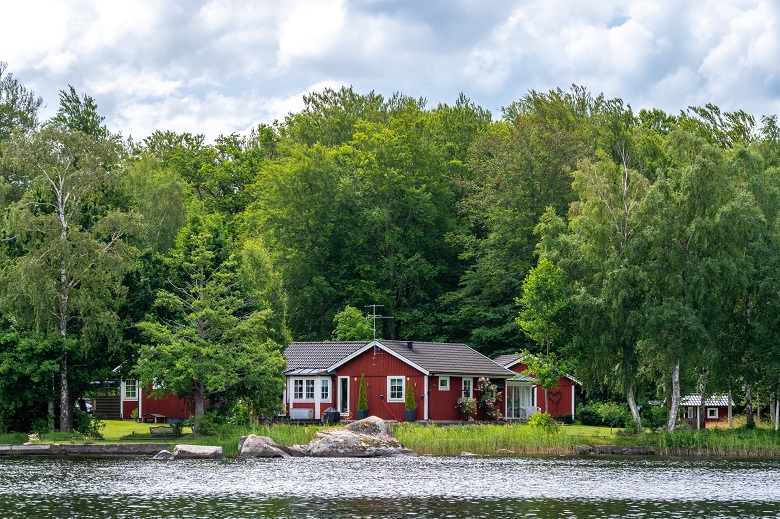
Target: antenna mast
x,y
373,316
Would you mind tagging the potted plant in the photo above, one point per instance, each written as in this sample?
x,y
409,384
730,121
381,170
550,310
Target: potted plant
x,y
410,412
467,406
362,403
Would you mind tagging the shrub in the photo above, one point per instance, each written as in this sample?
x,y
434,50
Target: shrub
x,y
543,421
411,403
362,402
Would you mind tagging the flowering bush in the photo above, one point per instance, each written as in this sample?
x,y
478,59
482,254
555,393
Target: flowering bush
x,y
489,396
467,406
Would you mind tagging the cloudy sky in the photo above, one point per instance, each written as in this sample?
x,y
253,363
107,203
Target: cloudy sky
x,y
223,66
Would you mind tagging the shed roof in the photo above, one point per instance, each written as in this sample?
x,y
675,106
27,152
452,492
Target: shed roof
x,y
694,399
311,358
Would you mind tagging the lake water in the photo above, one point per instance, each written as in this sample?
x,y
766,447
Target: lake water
x,y
399,487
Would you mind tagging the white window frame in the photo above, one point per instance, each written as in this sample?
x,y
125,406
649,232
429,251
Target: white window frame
x,y
390,380
325,390
463,388
712,413
310,389
131,384
298,389
444,383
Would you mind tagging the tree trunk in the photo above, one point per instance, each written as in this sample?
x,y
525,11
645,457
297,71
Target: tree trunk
x,y
675,405
701,419
634,409
777,412
751,421
65,411
731,412
199,399
772,404
51,409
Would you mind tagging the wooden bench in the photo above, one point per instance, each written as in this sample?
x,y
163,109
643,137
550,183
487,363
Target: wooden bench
x,y
163,430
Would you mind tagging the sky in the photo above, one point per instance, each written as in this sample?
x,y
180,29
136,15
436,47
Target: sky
x,y
224,66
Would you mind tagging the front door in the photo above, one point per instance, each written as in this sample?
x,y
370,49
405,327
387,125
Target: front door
x,y
344,394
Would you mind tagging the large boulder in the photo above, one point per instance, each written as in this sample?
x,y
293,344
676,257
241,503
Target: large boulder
x,y
197,452
254,446
367,438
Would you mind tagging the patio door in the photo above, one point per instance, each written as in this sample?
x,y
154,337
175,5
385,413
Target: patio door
x,y
518,398
344,394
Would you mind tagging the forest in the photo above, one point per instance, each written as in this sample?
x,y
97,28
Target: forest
x,y
637,251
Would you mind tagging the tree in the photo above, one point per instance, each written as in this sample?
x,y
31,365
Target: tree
x,y
79,114
351,325
18,105
69,250
213,334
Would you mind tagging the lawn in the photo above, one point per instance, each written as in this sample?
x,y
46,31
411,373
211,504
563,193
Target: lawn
x,y
116,429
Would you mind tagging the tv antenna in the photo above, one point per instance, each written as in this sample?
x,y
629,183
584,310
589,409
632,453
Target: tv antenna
x,y
373,316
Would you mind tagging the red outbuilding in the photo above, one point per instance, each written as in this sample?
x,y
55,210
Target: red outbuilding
x,y
561,399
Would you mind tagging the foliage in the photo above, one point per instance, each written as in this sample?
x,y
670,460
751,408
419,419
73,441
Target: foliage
x,y
411,401
543,421
362,402
91,427
467,405
610,414
351,325
488,396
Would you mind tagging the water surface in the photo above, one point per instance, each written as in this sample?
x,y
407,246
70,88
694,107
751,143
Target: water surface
x,y
401,487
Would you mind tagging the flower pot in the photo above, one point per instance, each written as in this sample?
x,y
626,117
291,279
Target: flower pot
x,y
361,413
410,415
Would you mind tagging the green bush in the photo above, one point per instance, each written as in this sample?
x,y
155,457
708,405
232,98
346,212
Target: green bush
x,y
543,421
362,402
654,416
411,403
608,414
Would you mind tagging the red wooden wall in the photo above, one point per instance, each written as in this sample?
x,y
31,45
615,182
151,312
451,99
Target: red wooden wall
x,y
559,398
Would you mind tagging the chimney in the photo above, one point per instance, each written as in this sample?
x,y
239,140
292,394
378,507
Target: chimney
x,y
410,345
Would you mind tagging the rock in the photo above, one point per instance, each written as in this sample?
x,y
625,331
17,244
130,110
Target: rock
x,y
197,452
505,452
467,454
296,451
163,455
254,446
367,438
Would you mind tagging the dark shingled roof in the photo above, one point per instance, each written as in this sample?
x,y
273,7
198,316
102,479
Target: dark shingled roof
x,y
506,360
315,357
447,358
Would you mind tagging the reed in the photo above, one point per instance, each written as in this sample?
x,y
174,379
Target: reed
x,y
485,439
714,442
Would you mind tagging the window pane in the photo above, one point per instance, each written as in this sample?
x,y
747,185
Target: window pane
x,y
130,389
467,388
325,391
309,389
298,392
396,388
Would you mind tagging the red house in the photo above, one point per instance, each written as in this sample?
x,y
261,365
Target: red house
x,y
169,409
717,408
323,375
561,399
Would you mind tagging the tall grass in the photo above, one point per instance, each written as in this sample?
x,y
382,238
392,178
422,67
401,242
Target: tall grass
x,y
714,442
485,439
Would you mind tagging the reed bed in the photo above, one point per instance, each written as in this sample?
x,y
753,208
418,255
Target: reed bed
x,y
714,442
485,439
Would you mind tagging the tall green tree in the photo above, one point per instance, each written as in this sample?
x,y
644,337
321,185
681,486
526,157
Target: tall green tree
x,y
69,253
18,105
215,333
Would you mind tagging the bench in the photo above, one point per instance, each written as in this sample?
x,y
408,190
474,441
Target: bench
x,y
163,430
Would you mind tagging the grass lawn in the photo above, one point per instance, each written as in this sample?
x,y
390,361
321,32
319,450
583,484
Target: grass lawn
x,y
116,429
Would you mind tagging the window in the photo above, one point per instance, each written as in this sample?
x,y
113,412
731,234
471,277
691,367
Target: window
x,y
325,389
444,383
712,412
467,388
131,389
309,389
298,389
395,388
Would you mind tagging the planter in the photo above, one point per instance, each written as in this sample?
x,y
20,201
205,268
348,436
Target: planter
x,y
410,415
361,414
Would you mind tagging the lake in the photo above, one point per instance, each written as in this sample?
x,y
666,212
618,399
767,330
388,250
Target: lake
x,y
541,487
